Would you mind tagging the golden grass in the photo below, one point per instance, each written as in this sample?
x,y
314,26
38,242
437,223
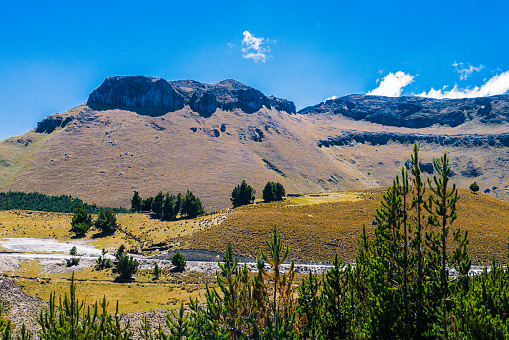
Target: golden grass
x,y
143,294
318,232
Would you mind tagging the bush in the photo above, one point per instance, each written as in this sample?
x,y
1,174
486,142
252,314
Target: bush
x,y
126,266
242,194
179,262
106,221
474,187
273,192
81,221
157,271
103,262
73,261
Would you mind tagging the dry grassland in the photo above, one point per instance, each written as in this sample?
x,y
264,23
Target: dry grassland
x,y
141,295
316,232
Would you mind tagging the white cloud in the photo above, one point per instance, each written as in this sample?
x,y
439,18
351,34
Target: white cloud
x,y
498,84
466,72
252,47
392,84
331,98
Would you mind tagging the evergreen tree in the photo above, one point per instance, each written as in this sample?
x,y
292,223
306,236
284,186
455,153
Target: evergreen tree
x,y
191,205
106,221
268,192
136,202
242,194
146,204
81,221
474,187
157,204
179,262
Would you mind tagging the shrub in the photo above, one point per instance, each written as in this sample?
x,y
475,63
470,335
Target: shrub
x,y
474,187
242,194
106,221
73,261
103,262
126,266
157,271
179,262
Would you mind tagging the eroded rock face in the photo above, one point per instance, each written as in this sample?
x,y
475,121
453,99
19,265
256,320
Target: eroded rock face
x,y
382,138
416,112
50,123
137,92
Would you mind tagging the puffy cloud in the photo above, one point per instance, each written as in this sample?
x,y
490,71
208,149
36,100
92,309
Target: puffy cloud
x,y
392,84
331,98
252,47
466,72
498,84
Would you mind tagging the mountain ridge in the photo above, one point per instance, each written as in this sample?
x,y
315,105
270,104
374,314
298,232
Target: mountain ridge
x,y
179,135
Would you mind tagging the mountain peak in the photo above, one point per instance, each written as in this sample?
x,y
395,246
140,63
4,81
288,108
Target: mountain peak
x,y
142,92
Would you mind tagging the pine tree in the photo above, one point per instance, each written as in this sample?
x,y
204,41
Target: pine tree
x,y
191,205
157,204
242,194
106,221
442,208
81,221
136,202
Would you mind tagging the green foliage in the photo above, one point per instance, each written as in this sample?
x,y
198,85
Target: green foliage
x,y
40,202
157,271
136,202
474,187
179,262
273,192
157,204
242,194
126,266
70,320
81,221
5,326
106,221
73,261
171,206
191,205
103,262
146,204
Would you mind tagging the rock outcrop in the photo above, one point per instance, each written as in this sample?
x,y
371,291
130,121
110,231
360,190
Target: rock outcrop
x,y
50,123
140,92
381,138
137,92
416,112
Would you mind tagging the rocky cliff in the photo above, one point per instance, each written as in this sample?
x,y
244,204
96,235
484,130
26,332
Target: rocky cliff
x,y
140,92
416,112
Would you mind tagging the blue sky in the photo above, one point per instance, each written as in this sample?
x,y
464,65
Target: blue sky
x,y
54,53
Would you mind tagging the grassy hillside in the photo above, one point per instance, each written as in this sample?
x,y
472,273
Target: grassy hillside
x,y
103,156
316,230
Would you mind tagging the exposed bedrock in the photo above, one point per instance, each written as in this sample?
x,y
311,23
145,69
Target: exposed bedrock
x,y
381,138
416,112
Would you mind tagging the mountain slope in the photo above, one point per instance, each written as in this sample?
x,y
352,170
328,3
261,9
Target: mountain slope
x,y
147,134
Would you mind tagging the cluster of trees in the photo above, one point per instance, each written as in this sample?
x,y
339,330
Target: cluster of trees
x,y
167,207
244,194
40,202
400,287
82,221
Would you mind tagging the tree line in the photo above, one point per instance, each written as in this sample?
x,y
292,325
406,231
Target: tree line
x,y
166,207
40,202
